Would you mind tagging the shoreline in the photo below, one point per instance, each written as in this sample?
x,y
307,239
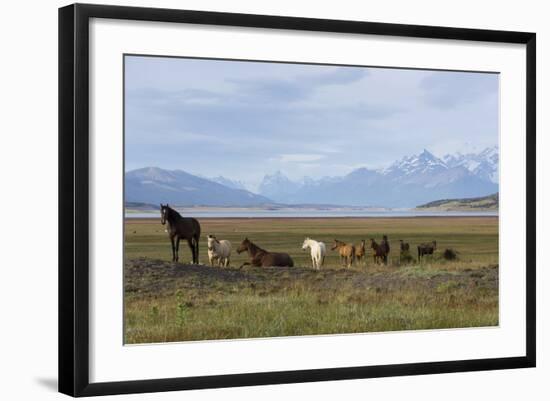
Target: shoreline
x,y
481,216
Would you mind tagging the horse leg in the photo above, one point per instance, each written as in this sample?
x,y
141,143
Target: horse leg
x,y
190,243
173,249
197,250
177,248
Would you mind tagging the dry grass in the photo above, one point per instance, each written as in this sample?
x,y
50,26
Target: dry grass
x,y
178,302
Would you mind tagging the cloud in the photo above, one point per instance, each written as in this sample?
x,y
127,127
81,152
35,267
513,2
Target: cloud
x,y
252,118
445,90
296,87
299,157
337,76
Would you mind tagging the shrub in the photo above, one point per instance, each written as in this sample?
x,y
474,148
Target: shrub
x,y
450,254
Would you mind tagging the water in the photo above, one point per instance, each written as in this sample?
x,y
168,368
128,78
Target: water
x,y
243,213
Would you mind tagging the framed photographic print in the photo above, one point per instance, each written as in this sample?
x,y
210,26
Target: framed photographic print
x,y
251,199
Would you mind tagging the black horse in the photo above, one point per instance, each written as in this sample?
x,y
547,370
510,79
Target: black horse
x,y
181,228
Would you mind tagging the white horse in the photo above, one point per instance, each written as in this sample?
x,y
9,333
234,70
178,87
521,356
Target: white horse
x,y
219,251
318,252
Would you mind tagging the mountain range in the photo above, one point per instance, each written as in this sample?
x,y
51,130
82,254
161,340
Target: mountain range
x,y
411,181
155,185
408,182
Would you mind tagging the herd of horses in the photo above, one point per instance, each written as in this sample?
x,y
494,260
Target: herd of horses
x,y
219,251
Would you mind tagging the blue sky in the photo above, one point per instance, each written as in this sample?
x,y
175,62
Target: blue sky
x,y
243,120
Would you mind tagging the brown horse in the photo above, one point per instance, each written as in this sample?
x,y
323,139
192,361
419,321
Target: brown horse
x,y
261,258
426,249
404,252
346,251
181,228
380,252
360,251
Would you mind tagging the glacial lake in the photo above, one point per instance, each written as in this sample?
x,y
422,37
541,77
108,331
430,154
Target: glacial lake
x,y
244,213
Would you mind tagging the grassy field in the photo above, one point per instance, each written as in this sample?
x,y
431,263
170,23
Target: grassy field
x,y
167,301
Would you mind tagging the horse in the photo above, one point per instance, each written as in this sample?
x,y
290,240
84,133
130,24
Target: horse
x,y
385,244
360,251
178,228
379,251
426,249
219,251
404,252
318,252
346,251
261,258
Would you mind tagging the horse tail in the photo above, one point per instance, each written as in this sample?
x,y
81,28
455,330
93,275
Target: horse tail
x,y
290,262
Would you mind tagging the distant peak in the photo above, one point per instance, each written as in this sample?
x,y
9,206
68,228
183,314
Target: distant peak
x,y
277,174
427,154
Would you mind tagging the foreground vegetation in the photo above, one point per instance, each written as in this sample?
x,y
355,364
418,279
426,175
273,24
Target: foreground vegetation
x,y
167,301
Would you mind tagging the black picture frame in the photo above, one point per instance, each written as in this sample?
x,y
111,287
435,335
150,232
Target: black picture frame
x,y
74,200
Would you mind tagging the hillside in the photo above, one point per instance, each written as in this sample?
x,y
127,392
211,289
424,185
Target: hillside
x,y
153,185
481,203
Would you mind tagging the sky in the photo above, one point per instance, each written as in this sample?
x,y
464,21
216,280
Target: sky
x,y
243,120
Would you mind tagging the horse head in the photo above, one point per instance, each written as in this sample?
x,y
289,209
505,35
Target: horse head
x,y
337,244
244,246
211,240
305,245
163,213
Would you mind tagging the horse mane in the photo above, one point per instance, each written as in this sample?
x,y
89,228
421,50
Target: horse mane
x,y
172,214
254,248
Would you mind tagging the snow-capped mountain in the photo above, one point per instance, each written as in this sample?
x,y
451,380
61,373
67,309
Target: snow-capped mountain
x,y
407,182
484,164
423,163
228,182
278,186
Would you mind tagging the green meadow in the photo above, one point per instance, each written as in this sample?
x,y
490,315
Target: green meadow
x,y
167,301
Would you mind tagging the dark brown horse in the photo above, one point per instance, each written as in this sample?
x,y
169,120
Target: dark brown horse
x,y
180,227
404,252
380,252
346,251
385,244
261,258
426,249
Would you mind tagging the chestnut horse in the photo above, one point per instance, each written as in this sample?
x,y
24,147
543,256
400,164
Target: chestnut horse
x,y
261,258
346,251
360,251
